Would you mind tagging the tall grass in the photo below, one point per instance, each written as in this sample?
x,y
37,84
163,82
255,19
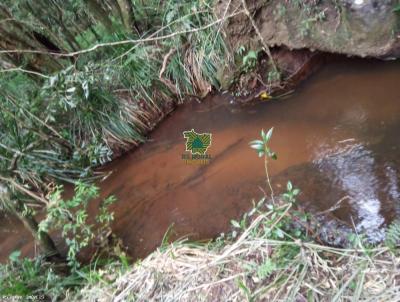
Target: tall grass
x,y
59,126
63,116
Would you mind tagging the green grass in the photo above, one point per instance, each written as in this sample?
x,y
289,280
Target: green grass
x,y
60,126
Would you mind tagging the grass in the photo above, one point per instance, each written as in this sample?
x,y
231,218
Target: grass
x,y
256,266
58,126
263,258
108,99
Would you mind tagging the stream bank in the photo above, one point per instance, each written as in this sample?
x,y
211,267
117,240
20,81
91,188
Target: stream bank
x,y
333,139
365,28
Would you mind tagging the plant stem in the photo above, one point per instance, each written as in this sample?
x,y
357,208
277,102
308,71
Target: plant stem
x,y
268,179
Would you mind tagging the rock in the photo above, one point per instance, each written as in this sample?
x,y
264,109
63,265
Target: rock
x,y
367,28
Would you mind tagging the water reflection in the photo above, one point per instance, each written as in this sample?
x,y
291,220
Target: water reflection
x,y
336,137
352,168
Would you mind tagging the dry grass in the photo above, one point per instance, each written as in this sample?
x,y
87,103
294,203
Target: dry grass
x,y
254,267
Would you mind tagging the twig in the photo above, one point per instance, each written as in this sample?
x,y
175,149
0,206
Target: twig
x,y
123,42
25,71
165,61
335,206
163,67
24,190
253,23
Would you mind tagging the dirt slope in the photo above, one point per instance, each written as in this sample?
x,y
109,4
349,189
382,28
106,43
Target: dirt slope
x,y
352,27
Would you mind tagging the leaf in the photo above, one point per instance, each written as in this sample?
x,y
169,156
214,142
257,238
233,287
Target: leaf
x,y
257,141
14,256
257,147
266,268
85,87
245,289
241,50
235,223
396,9
251,56
269,134
170,16
279,233
289,186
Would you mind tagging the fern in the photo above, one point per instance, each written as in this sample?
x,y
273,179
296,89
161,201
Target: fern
x,y
266,269
393,234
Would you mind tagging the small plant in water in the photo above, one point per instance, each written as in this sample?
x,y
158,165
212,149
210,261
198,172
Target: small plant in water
x,y
263,150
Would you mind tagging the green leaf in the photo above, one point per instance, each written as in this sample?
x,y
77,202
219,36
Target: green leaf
x,y
257,147
257,141
251,56
279,233
396,9
14,256
297,233
235,223
289,186
269,134
266,268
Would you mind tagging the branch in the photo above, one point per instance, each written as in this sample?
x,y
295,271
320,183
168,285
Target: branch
x,y
25,71
116,43
24,190
164,66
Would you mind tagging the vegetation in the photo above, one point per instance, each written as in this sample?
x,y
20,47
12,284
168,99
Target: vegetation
x,y
83,81
36,279
266,260
271,254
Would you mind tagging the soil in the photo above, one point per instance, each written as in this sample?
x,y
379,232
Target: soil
x,y
355,28
294,65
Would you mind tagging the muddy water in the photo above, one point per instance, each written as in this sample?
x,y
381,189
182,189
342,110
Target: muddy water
x,y
336,138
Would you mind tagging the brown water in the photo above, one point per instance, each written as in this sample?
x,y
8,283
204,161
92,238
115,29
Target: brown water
x,y
337,136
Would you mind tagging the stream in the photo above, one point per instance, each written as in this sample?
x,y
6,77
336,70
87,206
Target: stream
x,y
336,137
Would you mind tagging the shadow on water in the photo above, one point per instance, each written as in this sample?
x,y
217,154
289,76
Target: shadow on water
x,y
336,137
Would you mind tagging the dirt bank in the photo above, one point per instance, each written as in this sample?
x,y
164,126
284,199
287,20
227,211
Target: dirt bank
x,y
352,27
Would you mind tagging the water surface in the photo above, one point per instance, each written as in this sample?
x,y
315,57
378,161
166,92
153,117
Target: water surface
x,y
336,137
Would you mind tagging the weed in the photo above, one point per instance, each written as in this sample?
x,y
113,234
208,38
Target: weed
x,y
263,150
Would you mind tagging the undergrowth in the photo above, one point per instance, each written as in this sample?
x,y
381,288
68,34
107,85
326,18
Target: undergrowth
x,y
97,87
270,254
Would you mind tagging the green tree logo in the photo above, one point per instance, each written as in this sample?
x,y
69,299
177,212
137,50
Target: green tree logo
x,y
197,142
